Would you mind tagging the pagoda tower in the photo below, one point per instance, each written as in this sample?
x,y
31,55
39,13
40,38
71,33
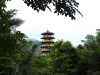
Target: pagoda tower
x,y
47,40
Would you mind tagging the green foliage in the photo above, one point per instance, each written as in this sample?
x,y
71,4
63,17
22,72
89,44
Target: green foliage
x,y
17,55
80,46
90,42
10,38
92,56
82,60
2,4
64,57
41,65
63,7
12,42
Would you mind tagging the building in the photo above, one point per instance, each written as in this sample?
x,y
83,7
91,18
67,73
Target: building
x,y
47,41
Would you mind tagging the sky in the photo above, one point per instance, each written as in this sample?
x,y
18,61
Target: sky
x,y
63,27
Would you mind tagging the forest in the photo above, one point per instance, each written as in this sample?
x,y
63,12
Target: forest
x,y
17,58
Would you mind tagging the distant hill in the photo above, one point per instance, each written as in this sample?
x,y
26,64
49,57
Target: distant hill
x,y
34,40
37,42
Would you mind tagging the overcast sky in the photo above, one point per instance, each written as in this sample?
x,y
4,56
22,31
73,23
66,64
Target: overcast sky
x,y
63,27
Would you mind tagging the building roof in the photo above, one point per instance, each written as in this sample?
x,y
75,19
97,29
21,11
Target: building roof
x,y
47,32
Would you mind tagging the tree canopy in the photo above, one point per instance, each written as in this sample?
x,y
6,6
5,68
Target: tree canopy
x,y
17,55
63,7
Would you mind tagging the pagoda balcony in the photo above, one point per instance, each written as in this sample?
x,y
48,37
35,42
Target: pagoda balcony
x,y
48,35
46,46
47,42
47,38
45,50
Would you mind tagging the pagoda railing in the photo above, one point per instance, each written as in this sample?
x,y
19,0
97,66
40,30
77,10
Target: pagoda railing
x,y
47,41
47,36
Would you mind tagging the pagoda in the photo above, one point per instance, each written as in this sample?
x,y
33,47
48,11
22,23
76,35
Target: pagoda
x,y
47,40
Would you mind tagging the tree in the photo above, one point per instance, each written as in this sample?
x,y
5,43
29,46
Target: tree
x,y
63,7
8,32
26,65
64,58
90,43
92,48
10,40
15,52
83,64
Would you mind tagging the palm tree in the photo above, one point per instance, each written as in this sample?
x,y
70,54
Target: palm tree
x,y
10,40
